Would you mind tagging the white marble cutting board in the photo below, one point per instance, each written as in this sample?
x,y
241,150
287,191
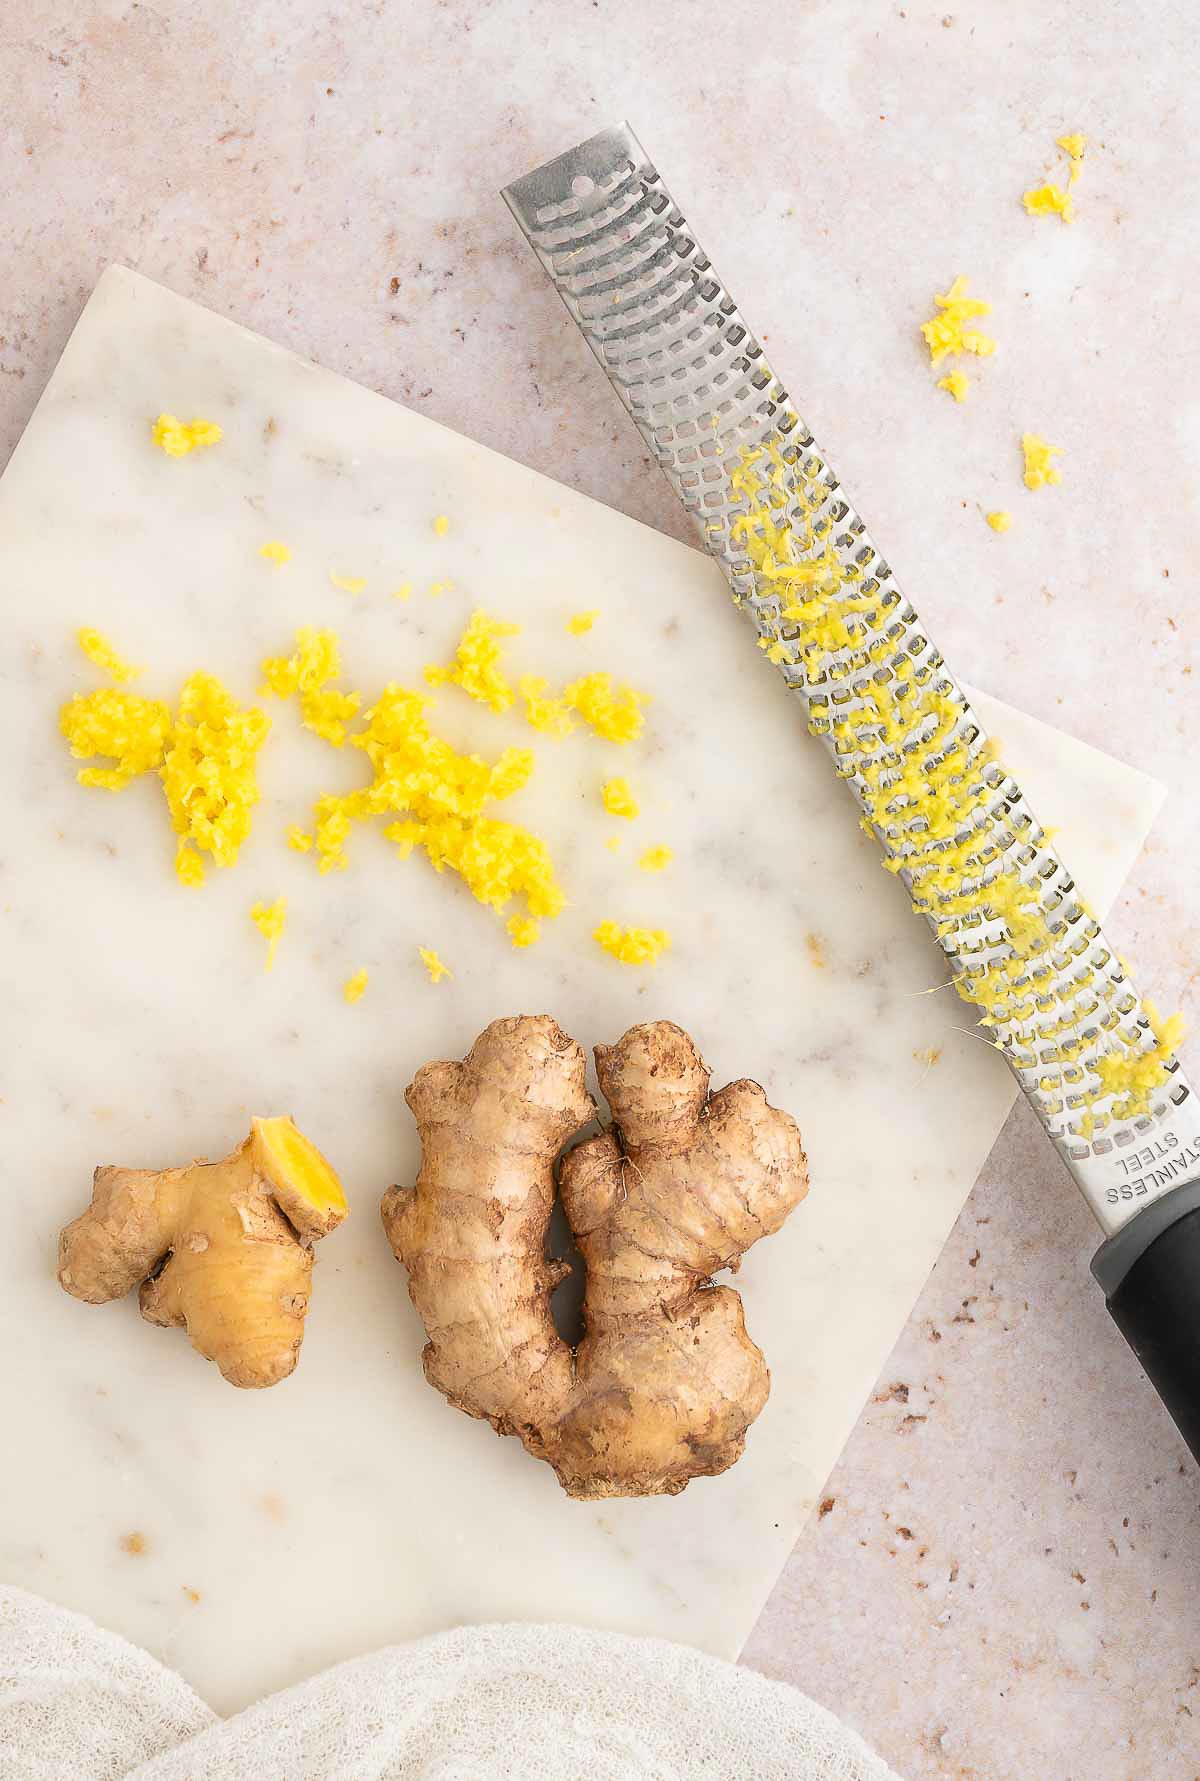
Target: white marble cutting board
x,y
350,1506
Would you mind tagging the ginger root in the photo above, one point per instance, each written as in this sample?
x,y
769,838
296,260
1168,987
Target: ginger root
x,y
223,1250
665,1381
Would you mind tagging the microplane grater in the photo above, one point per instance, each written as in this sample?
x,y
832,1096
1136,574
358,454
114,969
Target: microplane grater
x,y
696,381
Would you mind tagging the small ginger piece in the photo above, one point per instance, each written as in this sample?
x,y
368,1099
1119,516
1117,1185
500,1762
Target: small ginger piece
x,y
945,334
580,623
179,438
275,552
1055,200
102,654
999,521
616,716
355,988
433,964
441,525
270,919
656,859
665,1382
618,798
1040,473
633,945
476,664
131,731
956,383
223,1250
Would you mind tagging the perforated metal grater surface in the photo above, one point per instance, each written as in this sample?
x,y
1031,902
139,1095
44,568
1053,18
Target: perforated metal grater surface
x,y
721,425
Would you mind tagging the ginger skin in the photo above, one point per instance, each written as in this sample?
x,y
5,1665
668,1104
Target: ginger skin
x,y
223,1250
665,1382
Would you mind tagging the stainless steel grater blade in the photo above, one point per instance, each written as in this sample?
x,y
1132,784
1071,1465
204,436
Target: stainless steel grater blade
x,y
696,381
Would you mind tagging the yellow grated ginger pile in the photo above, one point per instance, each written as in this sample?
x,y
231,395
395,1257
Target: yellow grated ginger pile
x,y
317,661
945,333
475,667
209,774
632,946
126,728
177,438
100,652
923,788
1056,200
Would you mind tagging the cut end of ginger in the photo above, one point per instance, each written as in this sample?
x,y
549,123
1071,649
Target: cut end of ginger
x,y
1040,472
355,987
275,552
632,945
999,521
270,919
433,964
101,653
177,438
946,334
306,1187
618,799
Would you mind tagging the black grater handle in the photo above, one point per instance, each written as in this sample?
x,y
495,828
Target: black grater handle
x,y
1150,1272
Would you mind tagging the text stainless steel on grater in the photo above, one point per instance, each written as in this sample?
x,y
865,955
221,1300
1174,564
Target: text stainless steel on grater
x,y
1094,1061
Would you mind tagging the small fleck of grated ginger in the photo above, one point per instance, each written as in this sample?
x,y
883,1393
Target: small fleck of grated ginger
x,y
317,661
348,584
944,333
475,667
581,622
956,383
999,521
632,946
551,716
656,859
275,552
1055,200
615,716
270,919
433,964
299,839
100,652
618,799
613,843
403,591
177,438
816,951
441,525
522,930
1039,471
354,987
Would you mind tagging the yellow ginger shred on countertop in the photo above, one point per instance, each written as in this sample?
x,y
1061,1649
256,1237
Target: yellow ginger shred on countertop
x,y
275,552
522,930
208,772
957,384
1055,200
354,987
631,946
130,730
999,521
316,661
656,859
441,525
270,919
299,839
617,716
433,964
613,843
581,622
945,334
177,438
551,715
1039,471
100,652
348,584
475,667
403,591
618,799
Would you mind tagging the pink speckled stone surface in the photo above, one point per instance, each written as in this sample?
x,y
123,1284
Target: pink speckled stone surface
x,y
1001,1583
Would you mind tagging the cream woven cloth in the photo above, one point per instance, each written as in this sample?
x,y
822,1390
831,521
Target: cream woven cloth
x,y
542,1703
